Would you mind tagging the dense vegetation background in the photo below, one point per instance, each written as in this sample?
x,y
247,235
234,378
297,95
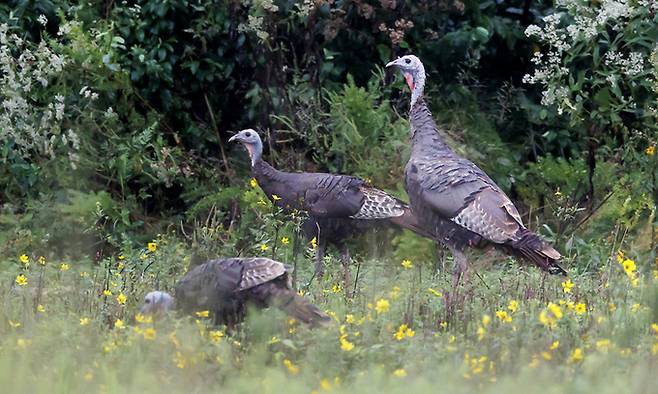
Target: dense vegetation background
x,y
116,175
117,114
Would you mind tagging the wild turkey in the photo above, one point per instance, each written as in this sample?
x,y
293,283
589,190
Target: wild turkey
x,y
338,205
225,286
454,198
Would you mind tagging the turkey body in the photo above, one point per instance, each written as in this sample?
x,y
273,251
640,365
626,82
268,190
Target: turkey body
x,y
226,286
459,203
339,206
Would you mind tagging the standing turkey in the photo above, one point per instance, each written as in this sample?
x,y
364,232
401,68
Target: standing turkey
x,y
226,286
455,199
339,206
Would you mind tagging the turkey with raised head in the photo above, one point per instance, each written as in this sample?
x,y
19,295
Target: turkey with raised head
x,y
224,287
338,205
454,198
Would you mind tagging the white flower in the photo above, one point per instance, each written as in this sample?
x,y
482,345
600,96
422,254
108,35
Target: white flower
x,y
42,20
533,30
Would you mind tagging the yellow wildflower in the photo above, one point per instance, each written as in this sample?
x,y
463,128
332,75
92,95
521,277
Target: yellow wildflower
x,y
503,316
481,332
434,292
534,363
203,313
407,264
345,345
335,288
513,306
325,384
119,324
88,376
121,299
23,343
143,318
180,360
576,355
14,324
149,334
84,321
603,345
263,247
580,308
443,325
400,373
612,307
21,280
349,318
555,310
41,308
635,307
152,247
285,240
84,274
554,345
395,292
64,267
650,150
404,331
275,197
292,368
121,257
654,327
486,319
382,306
215,336
567,285
546,355
620,256
25,259
629,266
107,293
314,243
253,182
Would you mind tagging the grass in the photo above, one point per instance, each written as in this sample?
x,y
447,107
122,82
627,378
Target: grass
x,y
59,332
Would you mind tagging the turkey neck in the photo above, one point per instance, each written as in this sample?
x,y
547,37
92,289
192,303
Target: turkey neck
x,y
425,136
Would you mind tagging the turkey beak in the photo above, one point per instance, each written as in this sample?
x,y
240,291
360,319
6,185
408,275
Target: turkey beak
x,y
392,64
234,138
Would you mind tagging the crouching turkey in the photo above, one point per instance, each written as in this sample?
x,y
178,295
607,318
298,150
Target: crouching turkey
x,y
225,287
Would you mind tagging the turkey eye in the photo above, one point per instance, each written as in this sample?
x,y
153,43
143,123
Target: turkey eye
x,y
147,301
407,61
247,134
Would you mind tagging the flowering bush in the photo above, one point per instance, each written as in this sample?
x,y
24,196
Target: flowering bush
x,y
32,114
599,62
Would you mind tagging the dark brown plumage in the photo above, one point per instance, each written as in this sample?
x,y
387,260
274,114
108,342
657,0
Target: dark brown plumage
x,y
454,198
339,206
226,286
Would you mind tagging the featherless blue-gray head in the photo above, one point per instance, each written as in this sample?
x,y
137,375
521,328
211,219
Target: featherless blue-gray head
x,y
414,74
157,302
250,139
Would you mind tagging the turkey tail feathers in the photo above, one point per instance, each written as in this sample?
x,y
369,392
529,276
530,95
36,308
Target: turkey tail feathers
x,y
533,248
298,307
409,221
